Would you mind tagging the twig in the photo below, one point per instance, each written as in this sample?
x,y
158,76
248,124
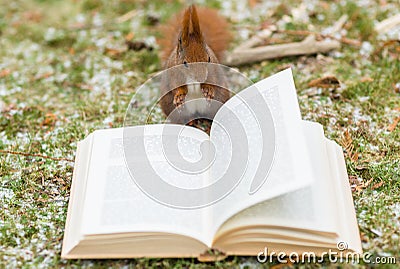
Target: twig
x,y
308,46
343,40
339,24
387,24
127,16
34,155
247,52
255,40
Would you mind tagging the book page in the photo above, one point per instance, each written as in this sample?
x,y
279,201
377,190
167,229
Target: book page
x,y
312,207
74,217
347,220
274,157
116,201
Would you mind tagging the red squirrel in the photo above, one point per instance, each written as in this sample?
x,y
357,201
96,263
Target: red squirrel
x,y
194,35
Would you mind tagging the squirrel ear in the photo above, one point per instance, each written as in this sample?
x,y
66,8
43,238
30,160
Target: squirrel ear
x,y
179,46
191,25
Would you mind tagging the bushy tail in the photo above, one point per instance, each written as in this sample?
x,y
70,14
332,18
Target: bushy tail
x,y
213,27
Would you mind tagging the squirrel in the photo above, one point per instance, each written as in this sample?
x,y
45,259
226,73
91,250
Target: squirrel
x,y
194,35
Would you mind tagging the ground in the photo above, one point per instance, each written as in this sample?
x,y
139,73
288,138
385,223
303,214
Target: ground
x,y
65,71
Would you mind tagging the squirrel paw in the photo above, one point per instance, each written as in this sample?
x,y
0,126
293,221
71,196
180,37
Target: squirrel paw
x,y
208,92
179,98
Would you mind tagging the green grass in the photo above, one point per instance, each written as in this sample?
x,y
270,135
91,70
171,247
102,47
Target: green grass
x,y
58,84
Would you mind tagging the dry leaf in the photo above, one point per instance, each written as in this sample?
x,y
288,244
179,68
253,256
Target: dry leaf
x,y
325,82
346,140
377,185
362,185
324,5
49,120
4,73
129,36
363,237
389,48
42,76
85,86
113,52
347,143
367,79
253,3
34,16
366,184
392,126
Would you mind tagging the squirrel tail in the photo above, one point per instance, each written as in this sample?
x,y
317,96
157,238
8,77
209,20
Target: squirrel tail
x,y
213,27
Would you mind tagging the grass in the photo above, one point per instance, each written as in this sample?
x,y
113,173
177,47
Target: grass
x,y
59,82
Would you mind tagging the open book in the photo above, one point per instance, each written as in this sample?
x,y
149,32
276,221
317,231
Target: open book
x,y
289,189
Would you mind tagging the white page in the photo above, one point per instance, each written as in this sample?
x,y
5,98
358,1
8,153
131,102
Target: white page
x,y
115,203
291,167
311,207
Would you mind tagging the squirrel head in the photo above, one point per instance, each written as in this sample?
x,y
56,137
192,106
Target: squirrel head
x,y
191,45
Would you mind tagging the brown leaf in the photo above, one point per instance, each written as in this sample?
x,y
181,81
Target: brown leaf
x,y
4,73
358,189
366,184
49,119
42,76
360,186
389,49
253,3
325,82
348,145
113,52
347,142
377,185
129,36
367,79
85,86
392,126
363,237
354,157
33,16
361,167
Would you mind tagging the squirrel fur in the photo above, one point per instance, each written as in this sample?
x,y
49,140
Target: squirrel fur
x,y
194,35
